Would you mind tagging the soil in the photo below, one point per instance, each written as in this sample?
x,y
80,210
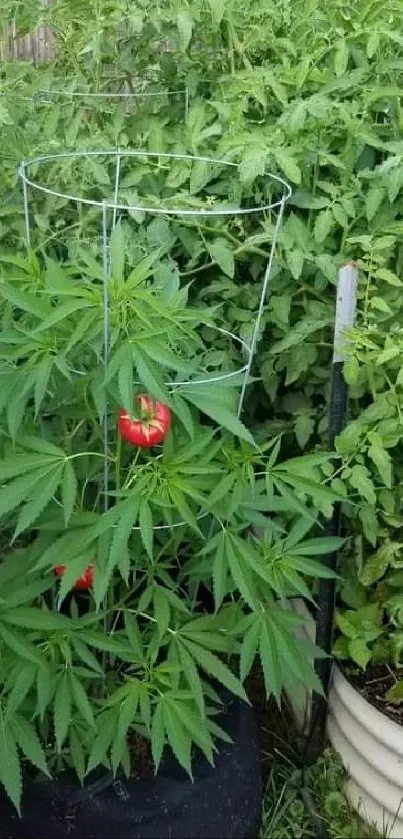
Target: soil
x,y
142,765
373,684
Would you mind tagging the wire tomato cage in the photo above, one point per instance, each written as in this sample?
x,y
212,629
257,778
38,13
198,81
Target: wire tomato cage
x,y
113,208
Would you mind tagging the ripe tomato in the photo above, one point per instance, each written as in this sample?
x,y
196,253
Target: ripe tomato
x,y
84,582
150,427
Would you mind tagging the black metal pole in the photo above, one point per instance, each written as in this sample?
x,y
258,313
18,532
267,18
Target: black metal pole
x,y
345,316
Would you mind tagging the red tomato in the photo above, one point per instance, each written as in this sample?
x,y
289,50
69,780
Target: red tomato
x,y
84,582
150,427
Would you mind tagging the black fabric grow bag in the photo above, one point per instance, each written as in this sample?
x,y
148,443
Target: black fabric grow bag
x,y
223,802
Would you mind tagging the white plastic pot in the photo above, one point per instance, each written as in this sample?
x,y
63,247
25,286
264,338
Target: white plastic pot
x,y
371,748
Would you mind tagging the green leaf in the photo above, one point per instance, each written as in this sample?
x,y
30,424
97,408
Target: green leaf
x,y
22,684
162,610
31,617
29,743
341,57
323,225
85,654
220,573
117,253
288,164
269,657
395,693
250,644
376,566
178,737
19,490
241,576
77,754
80,699
60,313
106,725
125,380
62,710
204,400
191,674
215,667
157,733
383,463
134,636
359,652
18,644
69,491
360,479
45,686
43,371
373,201
10,769
222,254
318,547
149,375
185,27
45,489
146,526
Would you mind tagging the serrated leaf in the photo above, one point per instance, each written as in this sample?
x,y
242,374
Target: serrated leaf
x,y
383,463
269,657
31,617
62,710
106,725
22,684
77,754
178,737
191,674
80,698
205,402
125,380
43,372
360,479
157,733
222,254
19,645
146,526
85,654
250,644
45,489
162,611
220,573
69,491
10,769
288,164
29,743
212,665
373,201
323,225
149,375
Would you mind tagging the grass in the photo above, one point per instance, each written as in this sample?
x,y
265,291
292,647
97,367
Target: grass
x,y
285,815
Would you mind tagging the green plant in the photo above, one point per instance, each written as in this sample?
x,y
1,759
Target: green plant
x,y
183,594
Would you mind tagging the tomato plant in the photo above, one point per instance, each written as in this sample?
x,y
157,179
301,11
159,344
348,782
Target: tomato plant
x,y
150,427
